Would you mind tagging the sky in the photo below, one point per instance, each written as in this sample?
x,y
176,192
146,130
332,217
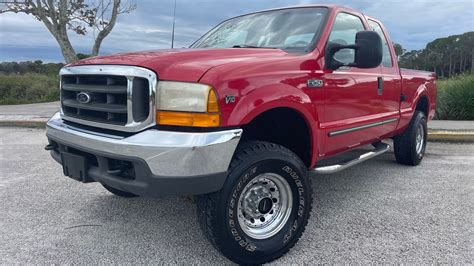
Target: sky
x,y
412,23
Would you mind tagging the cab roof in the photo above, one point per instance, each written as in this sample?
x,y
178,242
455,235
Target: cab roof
x,y
328,6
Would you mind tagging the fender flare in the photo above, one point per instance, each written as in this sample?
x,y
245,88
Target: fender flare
x,y
407,113
421,92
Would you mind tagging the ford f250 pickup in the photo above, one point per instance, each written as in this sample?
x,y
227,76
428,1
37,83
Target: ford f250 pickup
x,y
241,118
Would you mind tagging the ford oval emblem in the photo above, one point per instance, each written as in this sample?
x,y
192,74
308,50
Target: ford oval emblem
x,y
83,97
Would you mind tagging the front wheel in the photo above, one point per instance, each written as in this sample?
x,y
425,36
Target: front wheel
x,y
263,208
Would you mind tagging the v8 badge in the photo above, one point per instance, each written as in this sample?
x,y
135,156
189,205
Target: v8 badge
x,y
229,99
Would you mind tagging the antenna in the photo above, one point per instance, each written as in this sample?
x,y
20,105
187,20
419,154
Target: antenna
x,y
174,19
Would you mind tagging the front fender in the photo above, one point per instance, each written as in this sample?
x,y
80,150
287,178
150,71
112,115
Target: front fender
x,y
259,101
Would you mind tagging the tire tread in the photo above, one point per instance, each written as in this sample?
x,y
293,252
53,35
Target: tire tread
x,y
208,204
403,143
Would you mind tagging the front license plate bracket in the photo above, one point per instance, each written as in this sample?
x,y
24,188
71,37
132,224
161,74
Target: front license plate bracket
x,y
75,166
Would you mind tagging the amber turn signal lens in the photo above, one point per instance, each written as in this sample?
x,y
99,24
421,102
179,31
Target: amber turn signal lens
x,y
188,119
212,102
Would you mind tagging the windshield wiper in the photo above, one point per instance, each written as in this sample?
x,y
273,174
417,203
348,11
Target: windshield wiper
x,y
251,46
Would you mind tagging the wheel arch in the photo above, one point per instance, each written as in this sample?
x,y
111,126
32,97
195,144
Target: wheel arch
x,y
419,100
286,126
423,104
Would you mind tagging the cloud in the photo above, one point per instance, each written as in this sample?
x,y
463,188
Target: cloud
x,y
411,23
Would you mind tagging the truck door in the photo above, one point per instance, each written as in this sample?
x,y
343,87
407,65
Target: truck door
x,y
391,80
354,111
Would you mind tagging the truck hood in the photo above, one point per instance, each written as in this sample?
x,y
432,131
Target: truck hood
x,y
187,65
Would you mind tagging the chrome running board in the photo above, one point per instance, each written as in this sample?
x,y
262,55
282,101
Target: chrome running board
x,y
380,148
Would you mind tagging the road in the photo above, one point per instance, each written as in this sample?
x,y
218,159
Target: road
x,y
39,112
44,110
376,212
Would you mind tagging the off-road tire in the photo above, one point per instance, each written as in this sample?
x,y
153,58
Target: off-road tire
x,y
218,212
405,144
120,193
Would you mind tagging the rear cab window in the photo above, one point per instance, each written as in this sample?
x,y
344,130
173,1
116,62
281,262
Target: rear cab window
x,y
387,56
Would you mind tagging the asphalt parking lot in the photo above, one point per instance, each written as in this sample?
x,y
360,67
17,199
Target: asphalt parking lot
x,y
377,212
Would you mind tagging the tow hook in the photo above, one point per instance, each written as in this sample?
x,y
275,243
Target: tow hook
x,y
51,146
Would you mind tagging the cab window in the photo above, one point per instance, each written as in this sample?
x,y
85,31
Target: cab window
x,y
344,32
386,57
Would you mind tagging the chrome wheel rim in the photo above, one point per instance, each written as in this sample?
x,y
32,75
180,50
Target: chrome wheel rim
x,y
420,138
264,205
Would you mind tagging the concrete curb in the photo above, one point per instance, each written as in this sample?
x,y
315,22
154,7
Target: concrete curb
x,y
23,123
451,136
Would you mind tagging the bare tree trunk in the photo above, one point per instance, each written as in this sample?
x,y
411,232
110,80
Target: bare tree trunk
x,y
450,65
58,28
59,16
472,61
464,67
65,45
105,31
67,50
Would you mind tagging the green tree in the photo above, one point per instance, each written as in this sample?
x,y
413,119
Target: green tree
x,y
398,49
446,56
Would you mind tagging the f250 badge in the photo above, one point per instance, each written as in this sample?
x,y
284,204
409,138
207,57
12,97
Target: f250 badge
x,y
229,99
315,83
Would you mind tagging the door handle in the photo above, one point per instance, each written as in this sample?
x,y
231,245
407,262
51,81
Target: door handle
x,y
379,85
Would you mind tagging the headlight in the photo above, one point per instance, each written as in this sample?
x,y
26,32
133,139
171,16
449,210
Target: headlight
x,y
186,104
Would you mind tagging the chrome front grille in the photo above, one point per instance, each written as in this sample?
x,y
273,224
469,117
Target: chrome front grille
x,y
95,97
112,97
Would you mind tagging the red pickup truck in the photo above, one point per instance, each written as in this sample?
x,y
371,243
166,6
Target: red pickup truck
x,y
241,118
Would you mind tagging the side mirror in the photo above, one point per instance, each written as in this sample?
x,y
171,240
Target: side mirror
x,y
367,47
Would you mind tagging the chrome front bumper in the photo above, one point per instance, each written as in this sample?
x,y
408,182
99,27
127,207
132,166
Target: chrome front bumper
x,y
168,155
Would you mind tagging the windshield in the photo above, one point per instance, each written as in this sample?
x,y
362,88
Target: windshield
x,y
295,28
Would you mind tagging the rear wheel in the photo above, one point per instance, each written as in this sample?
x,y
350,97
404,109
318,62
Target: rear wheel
x,y
410,146
263,208
118,192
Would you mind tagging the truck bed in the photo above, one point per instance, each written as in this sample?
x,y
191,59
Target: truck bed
x,y
413,82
